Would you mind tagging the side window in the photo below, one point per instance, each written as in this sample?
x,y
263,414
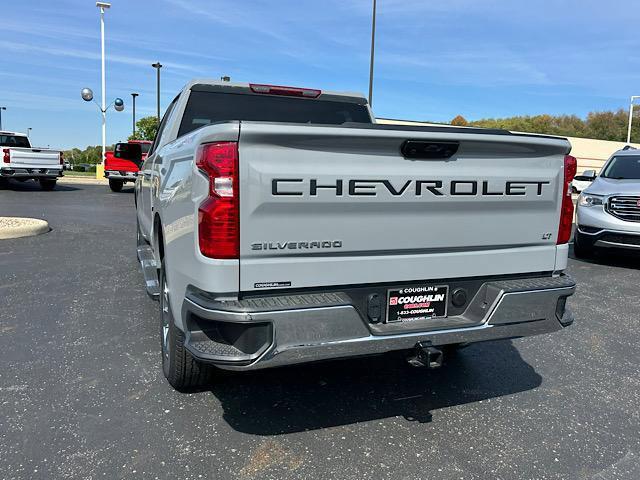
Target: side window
x,y
163,124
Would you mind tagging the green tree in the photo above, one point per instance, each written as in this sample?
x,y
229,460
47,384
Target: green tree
x,y
146,129
611,125
90,155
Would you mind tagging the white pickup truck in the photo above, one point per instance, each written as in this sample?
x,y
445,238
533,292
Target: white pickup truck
x,y
281,225
23,162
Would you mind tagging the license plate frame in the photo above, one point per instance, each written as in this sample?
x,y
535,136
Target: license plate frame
x,y
417,302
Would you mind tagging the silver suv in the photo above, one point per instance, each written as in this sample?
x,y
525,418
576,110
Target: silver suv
x,y
608,213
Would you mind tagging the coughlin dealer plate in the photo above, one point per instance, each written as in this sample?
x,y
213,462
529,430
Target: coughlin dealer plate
x,y
420,302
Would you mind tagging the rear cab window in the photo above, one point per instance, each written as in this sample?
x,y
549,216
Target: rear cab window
x,y
207,107
17,141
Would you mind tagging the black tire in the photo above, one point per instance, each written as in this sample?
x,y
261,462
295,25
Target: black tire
x,y
180,368
116,185
139,238
47,184
580,250
4,183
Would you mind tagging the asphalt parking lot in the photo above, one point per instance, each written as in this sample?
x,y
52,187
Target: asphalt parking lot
x,y
82,394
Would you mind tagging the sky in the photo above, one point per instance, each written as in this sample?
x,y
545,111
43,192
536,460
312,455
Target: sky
x,y
435,59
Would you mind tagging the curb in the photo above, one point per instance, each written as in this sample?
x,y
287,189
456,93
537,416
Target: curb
x,y
16,227
85,180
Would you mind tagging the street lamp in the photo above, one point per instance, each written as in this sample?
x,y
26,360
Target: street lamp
x,y
373,45
633,98
1,108
118,106
134,95
158,66
103,6
87,96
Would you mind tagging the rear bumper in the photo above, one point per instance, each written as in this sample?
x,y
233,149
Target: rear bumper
x,y
120,175
10,172
281,330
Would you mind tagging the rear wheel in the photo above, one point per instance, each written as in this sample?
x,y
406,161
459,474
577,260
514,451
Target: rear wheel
x,y
181,369
47,183
139,238
4,183
116,185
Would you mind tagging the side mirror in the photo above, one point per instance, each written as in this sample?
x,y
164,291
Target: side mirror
x,y
129,151
590,174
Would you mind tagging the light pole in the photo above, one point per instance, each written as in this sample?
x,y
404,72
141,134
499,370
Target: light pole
x,y
103,6
134,95
633,98
1,108
29,132
373,46
158,66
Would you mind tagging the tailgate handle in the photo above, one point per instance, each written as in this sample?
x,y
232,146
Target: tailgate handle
x,y
425,150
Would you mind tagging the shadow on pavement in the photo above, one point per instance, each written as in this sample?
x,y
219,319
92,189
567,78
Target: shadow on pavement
x,y
310,397
129,190
611,257
31,185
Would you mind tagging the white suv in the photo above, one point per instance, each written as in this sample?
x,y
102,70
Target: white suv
x,y
608,213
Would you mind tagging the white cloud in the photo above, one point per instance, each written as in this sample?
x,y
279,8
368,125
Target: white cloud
x,y
87,55
233,14
484,67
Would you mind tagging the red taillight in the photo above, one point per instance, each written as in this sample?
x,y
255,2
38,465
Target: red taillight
x,y
566,212
288,91
219,214
61,158
6,157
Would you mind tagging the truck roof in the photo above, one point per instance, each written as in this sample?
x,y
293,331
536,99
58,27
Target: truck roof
x,y
16,134
245,88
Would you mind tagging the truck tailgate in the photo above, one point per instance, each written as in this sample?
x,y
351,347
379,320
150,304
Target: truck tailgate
x,y
342,206
34,158
120,164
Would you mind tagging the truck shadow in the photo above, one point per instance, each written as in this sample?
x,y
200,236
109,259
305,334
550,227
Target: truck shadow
x,y
30,185
311,397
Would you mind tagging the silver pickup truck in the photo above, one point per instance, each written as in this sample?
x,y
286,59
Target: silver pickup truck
x,y
21,161
280,225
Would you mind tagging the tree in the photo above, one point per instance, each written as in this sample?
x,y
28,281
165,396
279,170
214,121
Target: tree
x,y
90,155
610,125
459,121
146,129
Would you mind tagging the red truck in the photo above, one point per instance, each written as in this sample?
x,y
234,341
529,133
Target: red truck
x,y
121,165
